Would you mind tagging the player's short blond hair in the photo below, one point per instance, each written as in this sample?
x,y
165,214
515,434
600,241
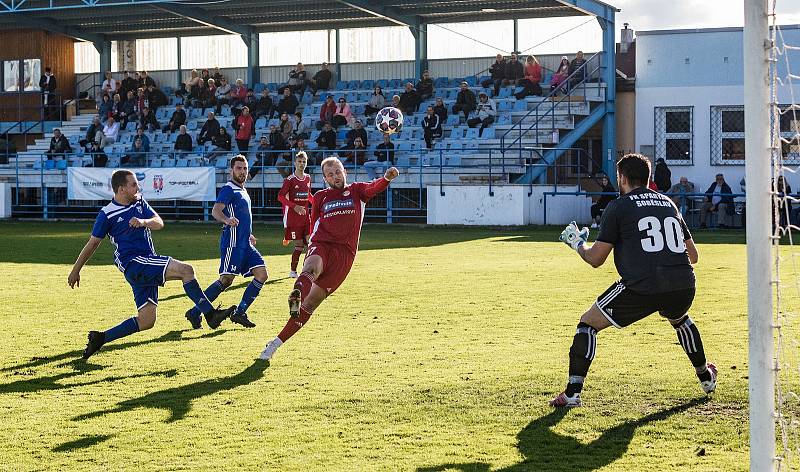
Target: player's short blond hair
x,y
330,160
301,154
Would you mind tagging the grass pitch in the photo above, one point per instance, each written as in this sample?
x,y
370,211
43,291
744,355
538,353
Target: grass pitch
x,y
439,352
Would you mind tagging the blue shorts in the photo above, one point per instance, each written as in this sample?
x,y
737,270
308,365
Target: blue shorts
x,y
145,274
240,260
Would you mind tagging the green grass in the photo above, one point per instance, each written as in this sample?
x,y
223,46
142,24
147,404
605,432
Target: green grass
x,y
440,351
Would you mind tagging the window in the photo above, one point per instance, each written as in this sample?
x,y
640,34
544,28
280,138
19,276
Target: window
x,y
11,76
22,75
673,135
727,135
33,70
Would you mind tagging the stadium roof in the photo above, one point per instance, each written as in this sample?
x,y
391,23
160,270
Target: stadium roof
x,y
104,20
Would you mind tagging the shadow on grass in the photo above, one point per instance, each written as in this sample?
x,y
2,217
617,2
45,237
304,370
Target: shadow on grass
x,y
544,449
178,400
229,289
82,443
172,336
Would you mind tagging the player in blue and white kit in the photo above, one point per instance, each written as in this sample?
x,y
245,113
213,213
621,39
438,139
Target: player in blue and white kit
x,y
238,255
127,222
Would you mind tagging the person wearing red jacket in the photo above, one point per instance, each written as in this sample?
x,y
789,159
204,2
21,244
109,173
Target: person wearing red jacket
x,y
244,129
295,196
533,77
326,112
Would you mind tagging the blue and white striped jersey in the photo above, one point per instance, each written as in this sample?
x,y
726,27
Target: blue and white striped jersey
x,y
237,205
113,221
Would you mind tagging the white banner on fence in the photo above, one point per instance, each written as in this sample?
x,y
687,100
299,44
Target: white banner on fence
x,y
184,183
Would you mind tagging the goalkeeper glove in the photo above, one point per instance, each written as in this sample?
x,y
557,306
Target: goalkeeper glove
x,y
574,237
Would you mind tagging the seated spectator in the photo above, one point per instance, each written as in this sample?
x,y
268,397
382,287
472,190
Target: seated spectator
x,y
376,102
377,163
431,126
533,76
718,200
222,95
108,87
264,158
264,105
200,96
497,71
218,77
486,113
327,137
326,112
211,85
110,132
128,110
603,201
140,103
97,156
209,130
184,140
678,195
128,83
343,115
193,82
244,126
358,131
561,73
178,119
515,72
222,144
297,79
148,120
181,92
425,86
396,101
465,100
288,103
250,101
238,96
145,140
277,143
116,107
145,80
355,155
205,75
285,126
156,98
136,156
300,130
104,109
409,100
59,145
440,109
783,189
94,133
321,80
574,65
663,176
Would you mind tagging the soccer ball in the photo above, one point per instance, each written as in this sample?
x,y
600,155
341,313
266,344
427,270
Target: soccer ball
x,y
389,120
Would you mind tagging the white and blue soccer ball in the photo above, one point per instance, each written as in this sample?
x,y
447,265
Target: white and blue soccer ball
x,y
389,120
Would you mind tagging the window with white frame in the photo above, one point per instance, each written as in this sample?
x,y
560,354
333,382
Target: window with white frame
x,y
727,135
674,131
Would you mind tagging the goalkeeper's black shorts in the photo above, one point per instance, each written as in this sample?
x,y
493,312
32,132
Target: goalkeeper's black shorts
x,y
623,307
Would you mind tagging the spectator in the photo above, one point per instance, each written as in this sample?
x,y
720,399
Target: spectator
x,y
97,156
201,97
244,130
205,75
560,74
321,80
104,109
465,100
209,130
287,104
264,158
127,111
264,105
181,92
222,144
515,72
128,83
194,81
783,189
238,96
211,85
148,120
156,98
497,71
486,113
110,132
431,126
223,95
603,201
663,176
396,101
378,161
140,103
178,119
250,101
574,65
343,115
376,101
108,87
117,107
94,133
59,145
285,126
440,110
409,100
136,156
277,143
297,79
533,76
145,80
327,137
358,131
678,194
425,86
300,130
218,77
184,140
718,200
145,140
326,112
356,154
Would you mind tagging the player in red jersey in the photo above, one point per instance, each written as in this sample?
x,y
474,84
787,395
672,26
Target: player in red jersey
x,y
295,195
336,217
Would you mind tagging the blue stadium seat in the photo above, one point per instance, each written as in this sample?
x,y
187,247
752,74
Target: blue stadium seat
x,y
488,133
471,81
453,160
156,163
272,86
182,163
221,163
314,135
383,83
457,132
395,83
258,88
61,164
452,94
341,85
402,159
368,85
406,134
505,92
455,147
441,82
521,105
472,133
503,119
341,134
261,123
453,120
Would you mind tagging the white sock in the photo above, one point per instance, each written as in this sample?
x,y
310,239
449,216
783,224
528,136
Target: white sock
x,y
277,342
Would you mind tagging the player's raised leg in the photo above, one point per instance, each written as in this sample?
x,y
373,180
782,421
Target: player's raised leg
x,y
312,268
144,319
260,277
177,270
211,292
315,296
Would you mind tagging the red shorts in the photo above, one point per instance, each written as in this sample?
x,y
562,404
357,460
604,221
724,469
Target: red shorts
x,y
336,263
293,233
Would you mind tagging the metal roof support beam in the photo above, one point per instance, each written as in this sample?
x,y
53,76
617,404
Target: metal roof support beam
x,y
420,33
253,66
56,27
201,16
608,74
592,7
338,57
104,48
381,11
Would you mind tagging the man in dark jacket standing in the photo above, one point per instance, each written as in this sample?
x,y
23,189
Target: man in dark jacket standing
x,y
47,84
718,200
498,73
663,176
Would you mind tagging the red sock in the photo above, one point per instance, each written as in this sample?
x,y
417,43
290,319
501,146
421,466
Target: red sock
x,y
296,257
304,283
294,325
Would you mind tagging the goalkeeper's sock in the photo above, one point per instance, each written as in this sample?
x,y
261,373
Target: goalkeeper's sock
x,y
303,283
294,324
689,337
127,327
581,355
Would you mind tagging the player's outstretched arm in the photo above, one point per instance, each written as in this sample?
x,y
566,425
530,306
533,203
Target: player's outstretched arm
x,y
88,250
391,173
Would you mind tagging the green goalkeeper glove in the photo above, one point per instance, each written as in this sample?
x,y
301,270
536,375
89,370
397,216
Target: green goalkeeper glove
x,y
574,237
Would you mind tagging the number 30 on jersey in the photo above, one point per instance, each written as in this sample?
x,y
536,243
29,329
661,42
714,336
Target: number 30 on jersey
x,y
657,234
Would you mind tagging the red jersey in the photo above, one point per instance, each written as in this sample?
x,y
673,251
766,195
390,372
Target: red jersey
x,y
295,191
337,214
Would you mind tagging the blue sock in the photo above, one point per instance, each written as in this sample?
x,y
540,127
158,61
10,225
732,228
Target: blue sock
x,y
121,330
211,293
192,288
249,295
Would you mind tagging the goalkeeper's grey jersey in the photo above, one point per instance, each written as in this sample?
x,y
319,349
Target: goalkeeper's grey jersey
x,y
648,234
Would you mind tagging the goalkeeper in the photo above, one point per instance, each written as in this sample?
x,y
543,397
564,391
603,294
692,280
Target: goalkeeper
x,y
653,253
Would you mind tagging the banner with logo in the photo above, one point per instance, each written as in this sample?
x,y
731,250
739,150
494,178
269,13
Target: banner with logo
x,y
183,183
